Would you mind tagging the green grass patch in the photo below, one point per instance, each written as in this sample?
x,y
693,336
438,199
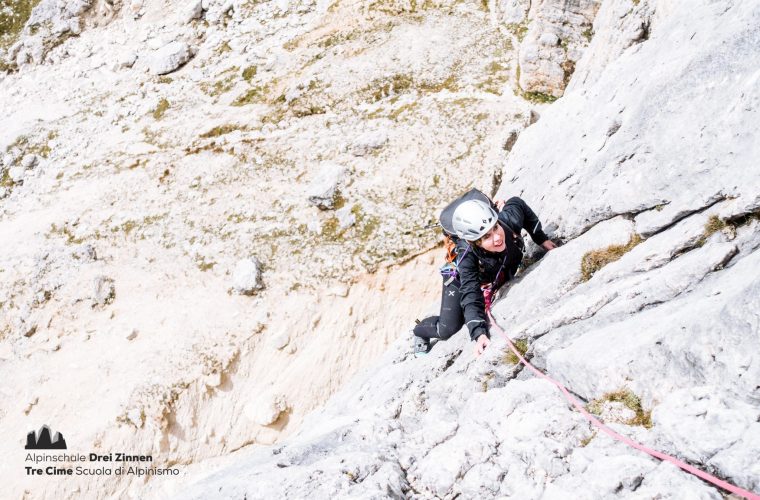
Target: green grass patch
x,y
495,67
396,113
337,38
251,96
205,265
29,145
629,400
400,83
510,357
249,73
219,87
713,225
275,117
339,201
484,383
221,130
596,259
308,110
153,138
13,17
519,30
223,48
568,68
5,179
539,97
497,77
135,164
585,441
396,84
400,7
160,111
131,225
331,229
366,225
65,231
449,83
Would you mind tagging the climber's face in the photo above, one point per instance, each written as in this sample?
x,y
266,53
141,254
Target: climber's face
x,y
493,240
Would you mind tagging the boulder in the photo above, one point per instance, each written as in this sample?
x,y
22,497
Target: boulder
x,y
9,159
192,11
170,58
104,291
246,278
127,60
17,174
266,409
346,218
556,36
369,141
280,340
323,190
29,161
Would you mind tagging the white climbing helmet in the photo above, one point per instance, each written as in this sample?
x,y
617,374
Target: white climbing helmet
x,y
472,219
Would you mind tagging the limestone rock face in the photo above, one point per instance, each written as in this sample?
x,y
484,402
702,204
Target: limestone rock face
x,y
624,138
648,154
163,182
552,37
50,23
193,10
632,24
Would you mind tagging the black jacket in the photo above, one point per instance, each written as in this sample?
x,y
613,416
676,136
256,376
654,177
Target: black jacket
x,y
478,267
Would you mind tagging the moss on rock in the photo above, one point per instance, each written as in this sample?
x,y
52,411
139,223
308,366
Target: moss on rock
x,y
13,17
597,259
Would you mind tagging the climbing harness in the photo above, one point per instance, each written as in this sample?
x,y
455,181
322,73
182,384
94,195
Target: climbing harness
x,y
450,270
662,456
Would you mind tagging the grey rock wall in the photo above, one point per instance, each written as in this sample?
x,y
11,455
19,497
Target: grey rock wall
x,y
654,145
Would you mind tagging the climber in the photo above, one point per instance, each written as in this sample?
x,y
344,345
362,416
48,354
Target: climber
x,y
485,251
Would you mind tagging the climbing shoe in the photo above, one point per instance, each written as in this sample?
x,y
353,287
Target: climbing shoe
x,y
421,346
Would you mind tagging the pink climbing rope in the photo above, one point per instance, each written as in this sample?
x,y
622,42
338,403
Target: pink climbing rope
x,y
662,456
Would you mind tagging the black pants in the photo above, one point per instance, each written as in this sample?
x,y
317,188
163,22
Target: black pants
x,y
450,320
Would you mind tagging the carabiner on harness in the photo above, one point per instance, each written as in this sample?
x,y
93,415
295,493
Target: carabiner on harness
x,y
450,270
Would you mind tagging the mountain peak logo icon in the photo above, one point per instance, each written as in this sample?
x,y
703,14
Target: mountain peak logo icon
x,y
41,440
